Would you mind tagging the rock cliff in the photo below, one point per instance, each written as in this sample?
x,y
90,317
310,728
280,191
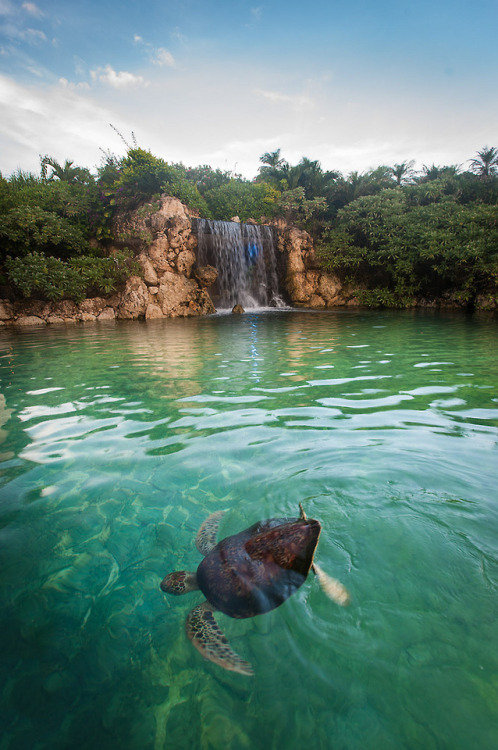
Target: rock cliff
x,y
161,237
305,284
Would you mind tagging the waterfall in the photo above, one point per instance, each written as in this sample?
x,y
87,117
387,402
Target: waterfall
x,y
246,259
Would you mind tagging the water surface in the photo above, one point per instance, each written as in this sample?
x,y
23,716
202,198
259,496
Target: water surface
x,y
118,439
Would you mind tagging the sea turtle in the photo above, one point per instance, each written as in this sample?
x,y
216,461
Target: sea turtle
x,y
248,574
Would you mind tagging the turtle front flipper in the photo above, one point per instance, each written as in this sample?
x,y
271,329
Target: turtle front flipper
x,y
205,634
179,582
206,536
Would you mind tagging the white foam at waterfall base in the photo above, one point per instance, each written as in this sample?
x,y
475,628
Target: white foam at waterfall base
x,y
245,258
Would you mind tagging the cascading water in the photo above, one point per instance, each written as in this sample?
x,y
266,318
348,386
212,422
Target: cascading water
x,y
246,260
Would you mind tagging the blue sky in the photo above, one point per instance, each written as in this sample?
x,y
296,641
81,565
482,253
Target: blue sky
x,y
354,83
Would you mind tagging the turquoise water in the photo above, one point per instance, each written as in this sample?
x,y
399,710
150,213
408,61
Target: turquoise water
x,y
118,440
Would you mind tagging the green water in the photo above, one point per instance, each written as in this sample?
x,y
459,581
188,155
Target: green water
x,y
118,440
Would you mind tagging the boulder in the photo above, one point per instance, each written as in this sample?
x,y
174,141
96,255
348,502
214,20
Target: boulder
x,y
329,288
158,253
206,275
6,310
175,292
148,270
108,313
92,306
181,297
64,309
134,299
29,320
237,310
153,311
169,209
184,262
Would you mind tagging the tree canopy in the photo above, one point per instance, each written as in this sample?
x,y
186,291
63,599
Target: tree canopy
x,y
393,232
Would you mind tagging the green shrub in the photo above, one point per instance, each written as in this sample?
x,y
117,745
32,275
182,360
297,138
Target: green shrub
x,y
387,244
53,279
28,228
243,199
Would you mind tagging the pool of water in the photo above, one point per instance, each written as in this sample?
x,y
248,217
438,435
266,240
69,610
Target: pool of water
x,y
116,442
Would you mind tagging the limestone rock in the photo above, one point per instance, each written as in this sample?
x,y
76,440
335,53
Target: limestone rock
x,y
92,306
65,309
134,299
317,301
329,287
29,320
6,310
108,313
178,232
158,253
148,270
170,208
181,297
203,304
174,293
237,309
33,308
206,275
184,262
153,311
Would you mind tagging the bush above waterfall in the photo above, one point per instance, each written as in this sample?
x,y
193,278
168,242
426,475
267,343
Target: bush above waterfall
x,y
243,199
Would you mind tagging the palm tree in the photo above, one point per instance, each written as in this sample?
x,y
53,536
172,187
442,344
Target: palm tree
x,y
66,173
272,159
485,163
275,168
403,172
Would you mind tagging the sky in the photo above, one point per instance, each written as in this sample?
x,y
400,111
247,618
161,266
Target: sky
x,y
354,84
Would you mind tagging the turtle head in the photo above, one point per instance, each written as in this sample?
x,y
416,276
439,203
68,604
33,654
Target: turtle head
x,y
179,582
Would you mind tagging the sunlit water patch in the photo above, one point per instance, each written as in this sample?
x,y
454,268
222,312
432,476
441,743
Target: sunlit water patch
x,y
116,441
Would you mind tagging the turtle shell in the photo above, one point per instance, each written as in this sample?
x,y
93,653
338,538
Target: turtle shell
x,y
257,569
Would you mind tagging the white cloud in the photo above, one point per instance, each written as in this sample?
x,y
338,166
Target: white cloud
x,y
6,8
257,13
27,117
33,10
297,101
117,79
157,55
161,56
32,36
67,84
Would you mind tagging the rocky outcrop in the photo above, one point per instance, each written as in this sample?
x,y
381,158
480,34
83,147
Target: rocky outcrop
x,y
306,284
170,284
161,235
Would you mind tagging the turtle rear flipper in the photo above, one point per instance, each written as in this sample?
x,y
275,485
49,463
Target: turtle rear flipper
x,y
205,634
331,586
206,536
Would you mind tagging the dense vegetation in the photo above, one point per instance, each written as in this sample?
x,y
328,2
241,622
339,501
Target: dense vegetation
x,y
391,233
